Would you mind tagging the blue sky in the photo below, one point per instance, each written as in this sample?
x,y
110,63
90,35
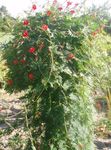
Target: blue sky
x,y
17,7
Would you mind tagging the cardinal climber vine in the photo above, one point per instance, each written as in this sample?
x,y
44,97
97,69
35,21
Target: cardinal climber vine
x,y
48,57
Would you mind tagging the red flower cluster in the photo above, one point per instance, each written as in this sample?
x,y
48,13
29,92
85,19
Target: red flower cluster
x,y
44,27
25,34
15,62
34,7
31,76
32,50
26,22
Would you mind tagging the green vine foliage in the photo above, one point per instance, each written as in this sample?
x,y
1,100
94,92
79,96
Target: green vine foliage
x,y
101,71
48,56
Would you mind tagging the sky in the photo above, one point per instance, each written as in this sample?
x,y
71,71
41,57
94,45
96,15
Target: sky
x,y
17,7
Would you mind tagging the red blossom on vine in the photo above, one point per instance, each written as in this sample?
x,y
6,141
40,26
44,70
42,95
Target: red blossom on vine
x,y
44,27
26,22
60,8
72,12
32,50
15,62
49,13
25,34
34,7
70,56
31,76
23,61
69,3
10,82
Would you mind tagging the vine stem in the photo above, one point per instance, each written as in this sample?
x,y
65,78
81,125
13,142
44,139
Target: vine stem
x,y
52,62
30,134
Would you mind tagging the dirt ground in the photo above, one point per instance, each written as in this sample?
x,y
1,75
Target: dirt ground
x,y
12,123
11,119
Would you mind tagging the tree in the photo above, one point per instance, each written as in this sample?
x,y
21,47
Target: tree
x,y
3,11
6,21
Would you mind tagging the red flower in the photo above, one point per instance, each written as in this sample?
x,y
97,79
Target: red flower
x,y
34,7
44,27
60,8
31,76
15,62
10,82
25,34
32,50
69,3
26,22
70,56
72,12
49,13
22,61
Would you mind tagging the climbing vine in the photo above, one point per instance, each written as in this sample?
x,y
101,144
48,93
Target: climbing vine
x,y
48,57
